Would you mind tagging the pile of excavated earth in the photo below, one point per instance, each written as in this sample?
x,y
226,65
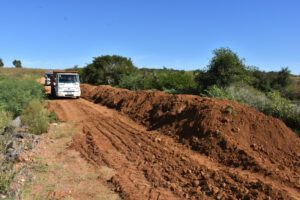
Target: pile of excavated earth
x,y
165,146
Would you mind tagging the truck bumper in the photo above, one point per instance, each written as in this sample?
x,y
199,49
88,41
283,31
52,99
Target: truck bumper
x,y
68,94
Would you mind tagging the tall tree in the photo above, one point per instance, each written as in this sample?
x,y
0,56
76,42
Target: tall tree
x,y
283,78
1,63
107,70
224,68
17,63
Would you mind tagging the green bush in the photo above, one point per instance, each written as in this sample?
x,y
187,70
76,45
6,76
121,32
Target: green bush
x,y
224,68
6,179
15,94
5,119
35,117
107,70
217,92
271,104
132,82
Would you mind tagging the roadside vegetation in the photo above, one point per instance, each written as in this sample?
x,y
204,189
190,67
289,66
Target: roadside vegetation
x,y
226,76
21,96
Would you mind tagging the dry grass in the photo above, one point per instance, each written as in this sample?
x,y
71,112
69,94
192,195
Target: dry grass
x,y
22,73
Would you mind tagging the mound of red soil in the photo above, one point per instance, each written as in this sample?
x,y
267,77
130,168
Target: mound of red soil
x,y
226,131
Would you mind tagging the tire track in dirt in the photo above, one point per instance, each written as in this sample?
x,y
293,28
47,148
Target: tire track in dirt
x,y
151,165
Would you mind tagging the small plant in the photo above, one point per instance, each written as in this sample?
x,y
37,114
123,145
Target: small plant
x,y
53,116
35,117
5,119
228,109
6,179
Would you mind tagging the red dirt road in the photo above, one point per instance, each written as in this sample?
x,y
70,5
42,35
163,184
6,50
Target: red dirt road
x,y
153,165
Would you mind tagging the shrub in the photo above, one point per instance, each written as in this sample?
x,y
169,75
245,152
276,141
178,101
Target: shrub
x,y
132,82
217,92
35,117
271,104
15,94
6,179
5,119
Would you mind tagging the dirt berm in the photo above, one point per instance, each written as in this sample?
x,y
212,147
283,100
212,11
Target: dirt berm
x,y
245,143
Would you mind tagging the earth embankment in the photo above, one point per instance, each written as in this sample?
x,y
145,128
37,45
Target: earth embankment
x,y
164,146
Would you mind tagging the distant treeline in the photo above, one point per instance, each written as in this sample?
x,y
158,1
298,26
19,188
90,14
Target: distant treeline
x,y
224,69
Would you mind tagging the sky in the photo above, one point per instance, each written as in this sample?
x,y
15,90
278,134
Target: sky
x,y
178,34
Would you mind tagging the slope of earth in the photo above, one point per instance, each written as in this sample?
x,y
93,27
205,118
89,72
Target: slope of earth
x,y
173,147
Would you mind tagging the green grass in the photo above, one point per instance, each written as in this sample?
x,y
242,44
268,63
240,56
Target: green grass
x,y
15,94
35,117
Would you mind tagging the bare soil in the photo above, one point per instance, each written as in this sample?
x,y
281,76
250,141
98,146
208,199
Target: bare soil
x,y
163,146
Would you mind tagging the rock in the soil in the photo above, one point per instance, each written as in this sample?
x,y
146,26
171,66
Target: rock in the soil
x,y
16,122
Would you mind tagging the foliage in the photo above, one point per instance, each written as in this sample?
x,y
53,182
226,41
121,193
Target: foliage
x,y
107,70
35,117
179,82
292,91
5,119
224,69
132,82
267,81
271,104
1,63
6,178
53,117
17,93
282,108
217,92
17,63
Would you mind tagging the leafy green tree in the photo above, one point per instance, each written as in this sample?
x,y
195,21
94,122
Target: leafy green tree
x,y
283,79
107,70
17,63
132,82
224,68
180,82
268,81
1,63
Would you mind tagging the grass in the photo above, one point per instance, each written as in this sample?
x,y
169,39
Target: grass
x,y
22,73
35,117
19,87
6,178
5,119
63,131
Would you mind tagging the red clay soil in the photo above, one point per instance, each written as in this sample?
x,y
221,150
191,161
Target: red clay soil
x,y
166,146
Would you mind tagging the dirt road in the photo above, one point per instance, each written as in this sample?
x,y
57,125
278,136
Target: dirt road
x,y
152,165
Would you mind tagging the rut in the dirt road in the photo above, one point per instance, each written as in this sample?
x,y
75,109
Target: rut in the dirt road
x,y
152,165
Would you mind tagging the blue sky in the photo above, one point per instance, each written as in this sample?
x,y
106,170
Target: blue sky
x,y
179,34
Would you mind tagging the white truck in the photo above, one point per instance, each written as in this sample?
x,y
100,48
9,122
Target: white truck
x,y
65,84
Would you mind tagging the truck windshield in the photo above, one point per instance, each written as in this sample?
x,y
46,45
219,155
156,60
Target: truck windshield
x,y
68,78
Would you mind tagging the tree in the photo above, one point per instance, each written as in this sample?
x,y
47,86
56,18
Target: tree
x,y
283,78
107,70
1,63
224,68
17,63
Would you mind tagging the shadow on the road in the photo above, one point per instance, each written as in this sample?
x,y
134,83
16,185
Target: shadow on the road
x,y
50,97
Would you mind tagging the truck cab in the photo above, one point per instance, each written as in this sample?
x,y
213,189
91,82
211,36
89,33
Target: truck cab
x,y
65,84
